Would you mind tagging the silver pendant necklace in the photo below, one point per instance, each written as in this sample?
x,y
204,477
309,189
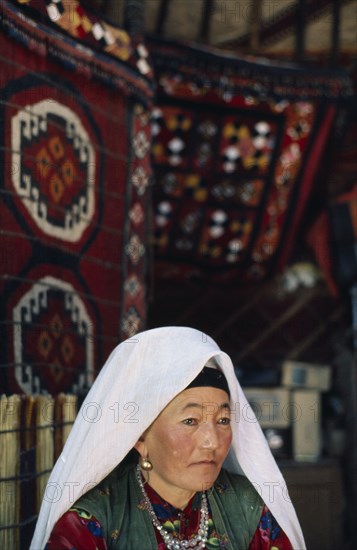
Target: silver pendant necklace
x,y
171,542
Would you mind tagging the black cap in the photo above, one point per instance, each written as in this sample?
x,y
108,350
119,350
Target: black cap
x,y
210,377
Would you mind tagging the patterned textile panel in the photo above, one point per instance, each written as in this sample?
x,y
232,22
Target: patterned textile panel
x,y
236,146
74,172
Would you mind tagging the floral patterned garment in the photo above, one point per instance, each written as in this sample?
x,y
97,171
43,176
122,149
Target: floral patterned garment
x,y
77,530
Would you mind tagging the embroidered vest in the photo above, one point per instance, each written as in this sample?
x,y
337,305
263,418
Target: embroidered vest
x,y
235,504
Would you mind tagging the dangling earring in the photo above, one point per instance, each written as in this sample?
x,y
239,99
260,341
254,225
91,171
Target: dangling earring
x,y
145,464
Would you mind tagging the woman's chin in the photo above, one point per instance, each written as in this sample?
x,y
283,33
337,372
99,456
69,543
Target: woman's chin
x,y
204,481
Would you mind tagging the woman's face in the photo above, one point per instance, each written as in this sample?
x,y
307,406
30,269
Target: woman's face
x,y
187,443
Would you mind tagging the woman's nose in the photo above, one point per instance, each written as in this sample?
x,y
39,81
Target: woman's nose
x,y
209,438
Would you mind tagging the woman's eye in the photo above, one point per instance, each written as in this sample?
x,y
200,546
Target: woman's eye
x,y
190,421
225,420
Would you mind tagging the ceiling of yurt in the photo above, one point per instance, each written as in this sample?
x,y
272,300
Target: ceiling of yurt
x,y
270,26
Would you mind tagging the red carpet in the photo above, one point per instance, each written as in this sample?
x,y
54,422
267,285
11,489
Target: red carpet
x,y
236,146
75,168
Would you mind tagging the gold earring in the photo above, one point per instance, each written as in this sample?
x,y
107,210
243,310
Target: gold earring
x,y
145,464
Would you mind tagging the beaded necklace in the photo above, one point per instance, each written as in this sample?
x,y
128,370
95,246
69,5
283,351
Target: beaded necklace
x,y
171,542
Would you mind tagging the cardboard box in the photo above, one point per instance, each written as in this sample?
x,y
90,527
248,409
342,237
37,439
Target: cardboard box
x,y
270,405
296,374
306,425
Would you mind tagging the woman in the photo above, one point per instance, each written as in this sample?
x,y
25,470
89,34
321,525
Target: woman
x,y
142,467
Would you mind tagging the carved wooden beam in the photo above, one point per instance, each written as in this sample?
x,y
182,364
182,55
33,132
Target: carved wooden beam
x,y
255,21
335,32
161,17
134,17
301,9
204,31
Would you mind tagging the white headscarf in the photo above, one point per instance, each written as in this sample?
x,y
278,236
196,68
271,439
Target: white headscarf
x,y
141,376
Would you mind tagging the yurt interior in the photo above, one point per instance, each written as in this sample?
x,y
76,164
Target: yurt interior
x,y
185,163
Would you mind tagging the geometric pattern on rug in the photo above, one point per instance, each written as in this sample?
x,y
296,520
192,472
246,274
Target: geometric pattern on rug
x,y
236,144
75,171
53,329
54,136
